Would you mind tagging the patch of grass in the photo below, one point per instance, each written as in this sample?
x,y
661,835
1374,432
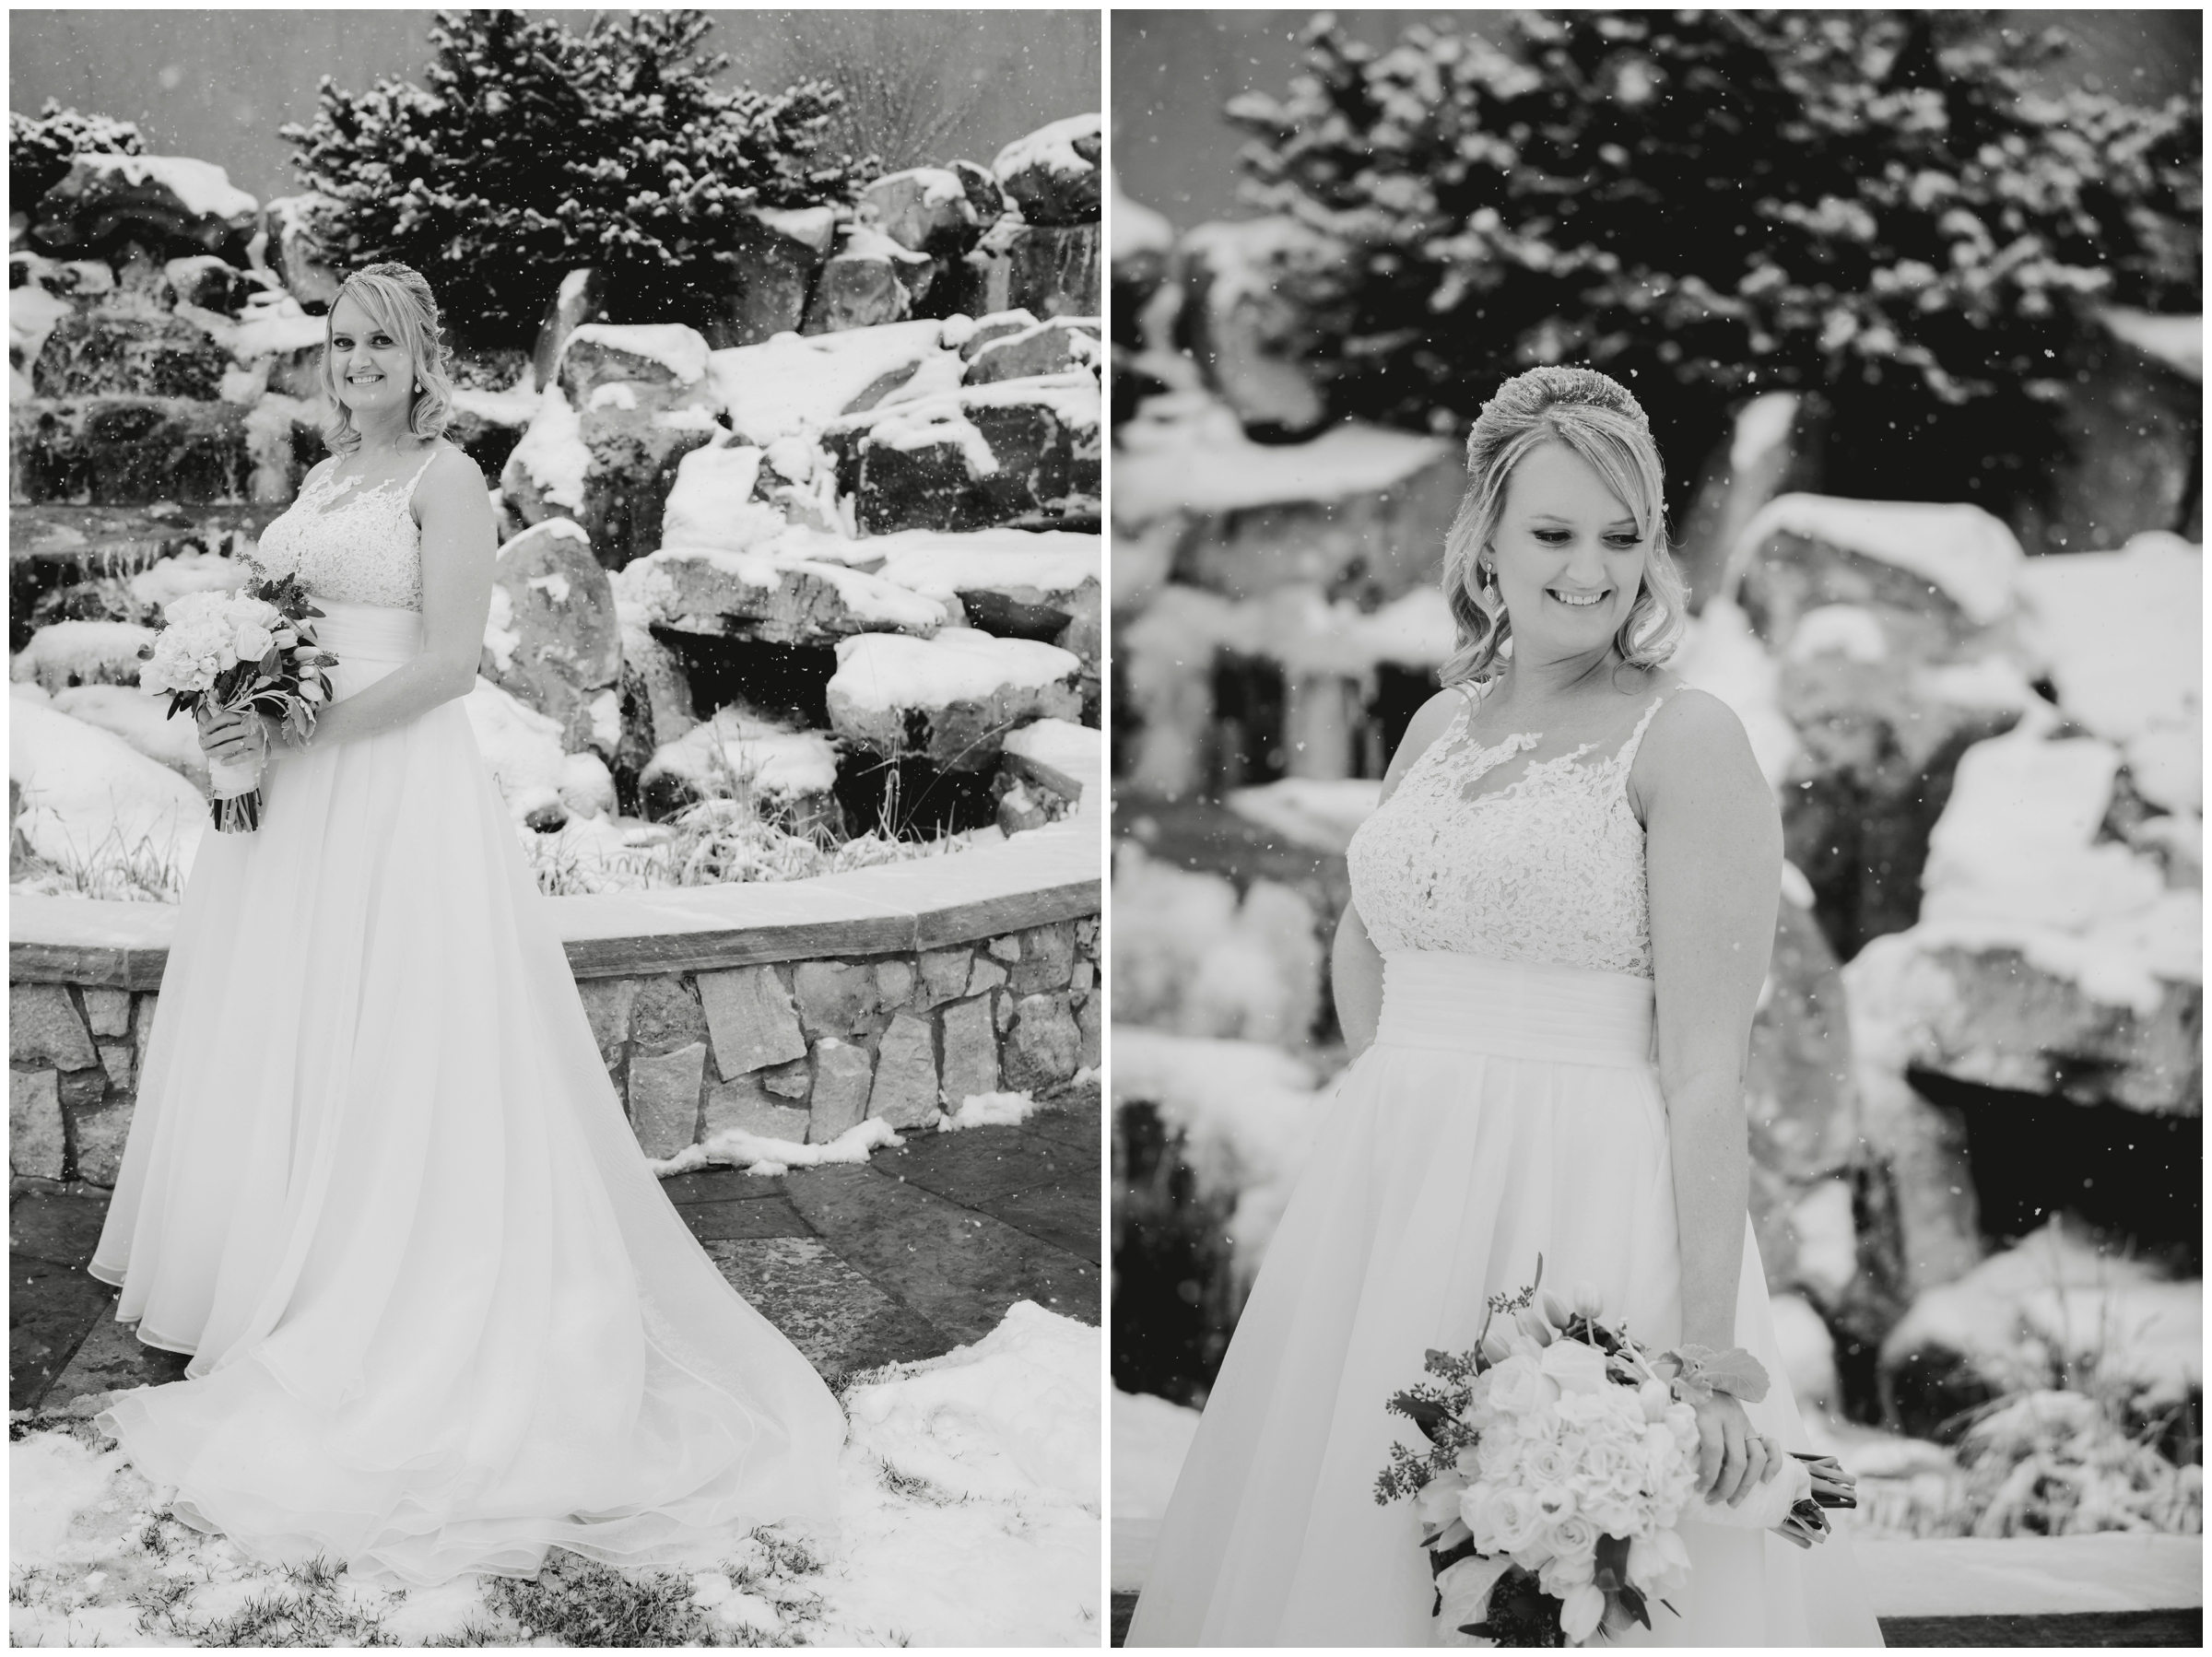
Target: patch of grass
x,y
915,1487
275,1617
582,1603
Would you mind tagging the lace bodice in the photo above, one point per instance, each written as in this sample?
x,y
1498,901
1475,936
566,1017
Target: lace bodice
x,y
1548,868
358,545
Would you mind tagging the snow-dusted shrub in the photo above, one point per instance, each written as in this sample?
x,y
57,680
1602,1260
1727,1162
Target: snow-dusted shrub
x,y
1708,203
40,149
535,149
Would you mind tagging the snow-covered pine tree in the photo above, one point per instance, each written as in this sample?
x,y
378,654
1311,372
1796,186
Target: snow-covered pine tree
x,y
534,149
40,149
1708,204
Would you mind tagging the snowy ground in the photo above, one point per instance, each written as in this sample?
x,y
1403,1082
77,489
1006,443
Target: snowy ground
x,y
971,1516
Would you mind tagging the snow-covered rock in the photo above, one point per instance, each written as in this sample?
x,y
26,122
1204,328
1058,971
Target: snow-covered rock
x,y
1355,502
88,796
926,210
134,450
1060,346
870,281
81,652
1053,173
950,698
773,600
297,246
611,465
552,639
772,270
1251,288
168,204
1192,957
738,751
666,356
1012,583
521,748
712,505
974,456
142,720
1802,550
1051,270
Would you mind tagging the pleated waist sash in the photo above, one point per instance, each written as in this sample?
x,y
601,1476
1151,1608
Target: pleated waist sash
x,y
356,633
1514,1009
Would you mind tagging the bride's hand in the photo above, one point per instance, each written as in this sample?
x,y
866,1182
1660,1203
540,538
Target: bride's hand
x,y
234,737
1731,1457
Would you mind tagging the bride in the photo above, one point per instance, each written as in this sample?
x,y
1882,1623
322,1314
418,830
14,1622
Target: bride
x,y
441,1316
1561,917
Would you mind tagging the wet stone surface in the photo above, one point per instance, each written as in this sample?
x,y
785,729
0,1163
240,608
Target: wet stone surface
x,y
920,1249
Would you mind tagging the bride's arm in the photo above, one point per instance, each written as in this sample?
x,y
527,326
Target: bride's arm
x,y
1713,858
459,546
1355,964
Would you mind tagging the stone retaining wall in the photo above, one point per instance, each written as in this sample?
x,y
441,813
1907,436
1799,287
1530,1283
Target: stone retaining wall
x,y
792,1010
798,1049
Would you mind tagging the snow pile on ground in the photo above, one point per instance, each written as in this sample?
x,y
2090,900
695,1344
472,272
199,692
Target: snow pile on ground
x,y
90,653
960,664
740,748
1246,1114
1150,1439
2053,1301
970,1515
990,1110
142,720
759,1154
187,572
90,799
1189,956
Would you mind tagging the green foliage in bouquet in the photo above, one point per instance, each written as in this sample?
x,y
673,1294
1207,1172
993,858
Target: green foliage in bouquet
x,y
40,149
535,149
1869,206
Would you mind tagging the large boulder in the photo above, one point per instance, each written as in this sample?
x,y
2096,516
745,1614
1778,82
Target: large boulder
x,y
1358,510
1018,449
553,639
925,209
1052,174
950,698
1011,583
296,237
2132,425
1251,291
1893,624
1062,346
773,270
611,465
715,502
871,281
170,205
656,703
773,600
1052,270
126,350
127,450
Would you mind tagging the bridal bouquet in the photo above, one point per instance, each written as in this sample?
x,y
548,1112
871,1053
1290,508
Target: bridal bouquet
x,y
1560,1457
220,653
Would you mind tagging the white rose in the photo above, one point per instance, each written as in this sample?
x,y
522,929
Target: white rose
x,y
254,641
1574,1538
1577,1368
1519,1388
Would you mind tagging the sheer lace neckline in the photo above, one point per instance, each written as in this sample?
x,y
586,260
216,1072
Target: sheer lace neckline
x,y
1471,760
334,496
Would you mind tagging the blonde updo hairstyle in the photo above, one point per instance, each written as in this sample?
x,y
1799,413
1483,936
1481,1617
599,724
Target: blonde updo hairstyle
x,y
400,302
1596,418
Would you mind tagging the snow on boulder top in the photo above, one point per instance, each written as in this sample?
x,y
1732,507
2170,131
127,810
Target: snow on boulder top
x,y
1246,1109
2122,631
103,652
865,242
891,670
944,565
552,453
870,599
679,349
1203,462
83,788
712,502
2177,341
1136,229
1052,148
1309,812
2014,864
1076,752
1962,550
274,324
202,187
794,385
737,745
811,226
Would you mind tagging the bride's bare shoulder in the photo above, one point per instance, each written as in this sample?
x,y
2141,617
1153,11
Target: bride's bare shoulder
x,y
1696,740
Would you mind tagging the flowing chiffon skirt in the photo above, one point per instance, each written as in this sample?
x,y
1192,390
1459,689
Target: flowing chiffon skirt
x,y
1505,1111
442,1316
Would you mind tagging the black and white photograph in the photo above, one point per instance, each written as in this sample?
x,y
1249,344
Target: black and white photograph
x,y
1656,907
557,800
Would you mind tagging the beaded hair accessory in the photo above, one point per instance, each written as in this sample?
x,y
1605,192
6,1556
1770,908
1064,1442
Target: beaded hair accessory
x,y
1530,393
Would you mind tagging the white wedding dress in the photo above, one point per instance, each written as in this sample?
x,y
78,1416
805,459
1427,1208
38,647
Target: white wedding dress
x,y
442,1316
1508,1108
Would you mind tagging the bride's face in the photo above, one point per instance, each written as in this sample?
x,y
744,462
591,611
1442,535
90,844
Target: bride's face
x,y
1569,556
374,371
